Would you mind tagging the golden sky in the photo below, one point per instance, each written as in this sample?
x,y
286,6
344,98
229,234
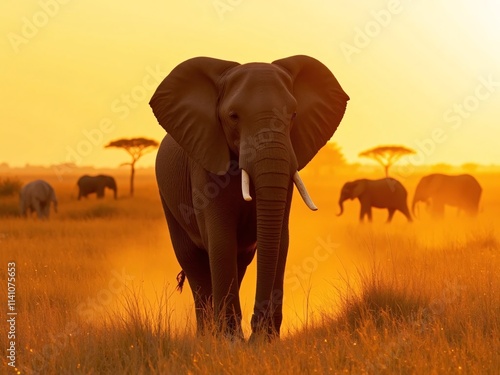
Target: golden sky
x,y
421,73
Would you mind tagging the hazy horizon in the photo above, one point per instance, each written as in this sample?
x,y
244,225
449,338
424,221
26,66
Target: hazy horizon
x,y
78,75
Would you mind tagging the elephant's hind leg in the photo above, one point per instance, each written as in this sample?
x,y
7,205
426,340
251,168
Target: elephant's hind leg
x,y
195,264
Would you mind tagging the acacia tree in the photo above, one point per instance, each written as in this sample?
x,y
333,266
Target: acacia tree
x,y
327,160
387,155
136,148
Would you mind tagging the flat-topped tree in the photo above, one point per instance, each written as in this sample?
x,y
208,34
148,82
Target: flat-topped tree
x,y
136,148
387,156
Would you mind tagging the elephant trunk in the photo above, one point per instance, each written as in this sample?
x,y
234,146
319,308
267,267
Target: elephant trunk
x,y
271,174
115,192
341,205
416,198
414,203
272,191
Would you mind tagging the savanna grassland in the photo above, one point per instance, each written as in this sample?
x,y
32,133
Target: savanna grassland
x,y
95,291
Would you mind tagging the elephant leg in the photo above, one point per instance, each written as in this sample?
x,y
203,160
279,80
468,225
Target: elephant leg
x,y
225,286
406,212
391,214
366,210
194,262
369,214
362,214
36,206
45,209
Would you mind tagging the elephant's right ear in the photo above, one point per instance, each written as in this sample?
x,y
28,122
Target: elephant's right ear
x,y
185,104
358,188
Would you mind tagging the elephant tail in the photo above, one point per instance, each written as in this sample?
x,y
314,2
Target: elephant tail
x,y
181,277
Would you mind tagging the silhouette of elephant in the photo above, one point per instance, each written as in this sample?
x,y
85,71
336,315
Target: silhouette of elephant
x,y
237,136
95,184
384,193
36,196
440,190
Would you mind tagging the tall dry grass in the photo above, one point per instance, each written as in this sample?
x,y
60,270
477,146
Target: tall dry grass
x,y
96,294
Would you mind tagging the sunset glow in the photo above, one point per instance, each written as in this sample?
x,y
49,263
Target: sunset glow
x,y
77,75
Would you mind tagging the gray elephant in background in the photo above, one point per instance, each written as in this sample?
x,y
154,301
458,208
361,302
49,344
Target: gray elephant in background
x,y
384,193
95,184
36,196
439,190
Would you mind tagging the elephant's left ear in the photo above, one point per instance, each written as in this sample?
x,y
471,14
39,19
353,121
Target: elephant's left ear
x,y
321,104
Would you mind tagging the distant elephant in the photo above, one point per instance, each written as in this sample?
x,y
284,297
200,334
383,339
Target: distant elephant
x,y
237,136
385,193
95,184
440,190
36,196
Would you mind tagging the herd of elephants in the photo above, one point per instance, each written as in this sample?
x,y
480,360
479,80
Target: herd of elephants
x,y
237,135
435,190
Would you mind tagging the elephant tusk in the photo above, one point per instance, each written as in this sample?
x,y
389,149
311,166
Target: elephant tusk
x,y
245,186
303,192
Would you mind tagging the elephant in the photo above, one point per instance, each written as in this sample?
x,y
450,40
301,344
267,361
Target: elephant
x,y
36,196
440,190
384,193
95,184
237,135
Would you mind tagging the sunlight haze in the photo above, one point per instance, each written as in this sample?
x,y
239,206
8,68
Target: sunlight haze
x,y
76,75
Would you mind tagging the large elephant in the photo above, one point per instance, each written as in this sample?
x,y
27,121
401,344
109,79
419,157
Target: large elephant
x,y
440,190
235,133
95,184
384,193
36,196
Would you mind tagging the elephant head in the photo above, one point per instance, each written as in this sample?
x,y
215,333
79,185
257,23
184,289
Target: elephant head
x,y
423,192
351,190
270,119
110,183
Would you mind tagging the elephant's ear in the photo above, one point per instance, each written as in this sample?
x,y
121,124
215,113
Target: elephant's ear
x,y
358,188
185,105
321,104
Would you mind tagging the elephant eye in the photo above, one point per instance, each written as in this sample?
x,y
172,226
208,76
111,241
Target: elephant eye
x,y
233,116
294,114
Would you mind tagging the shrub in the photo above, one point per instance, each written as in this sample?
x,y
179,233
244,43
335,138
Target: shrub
x,y
10,186
93,212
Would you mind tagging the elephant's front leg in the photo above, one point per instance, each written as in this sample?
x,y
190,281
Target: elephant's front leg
x,y
222,253
37,207
391,214
365,211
